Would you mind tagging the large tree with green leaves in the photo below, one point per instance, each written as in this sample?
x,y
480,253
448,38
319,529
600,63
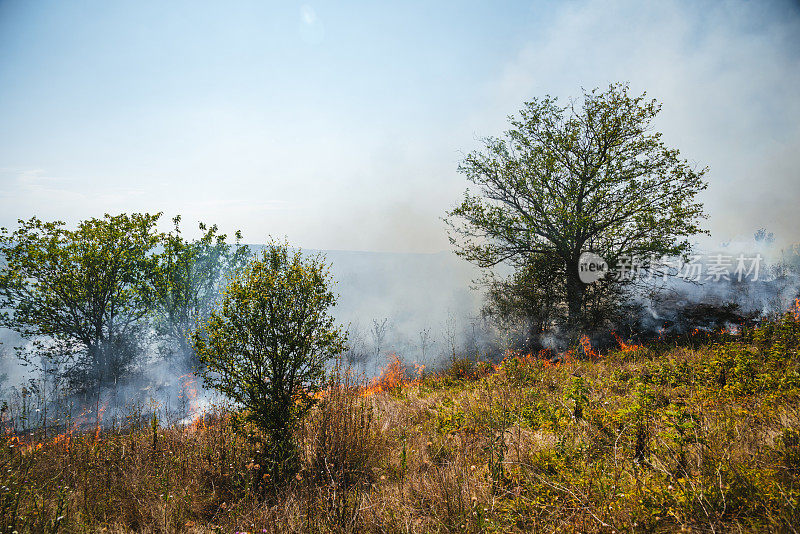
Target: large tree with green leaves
x,y
79,295
190,277
591,175
265,346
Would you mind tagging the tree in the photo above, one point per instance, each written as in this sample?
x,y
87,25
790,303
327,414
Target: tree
x,y
190,274
527,299
79,295
266,345
589,176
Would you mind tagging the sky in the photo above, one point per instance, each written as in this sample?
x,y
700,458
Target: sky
x,y
341,125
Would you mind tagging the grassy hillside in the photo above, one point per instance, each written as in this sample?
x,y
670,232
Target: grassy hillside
x,y
644,439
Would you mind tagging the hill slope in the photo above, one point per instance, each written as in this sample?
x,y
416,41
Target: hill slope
x,y
645,439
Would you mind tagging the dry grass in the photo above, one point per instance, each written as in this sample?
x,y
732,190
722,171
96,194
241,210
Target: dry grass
x,y
645,440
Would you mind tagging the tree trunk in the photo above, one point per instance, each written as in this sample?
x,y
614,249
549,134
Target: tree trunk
x,y
575,293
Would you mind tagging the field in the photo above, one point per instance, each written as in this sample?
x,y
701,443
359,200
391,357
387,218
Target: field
x,y
702,436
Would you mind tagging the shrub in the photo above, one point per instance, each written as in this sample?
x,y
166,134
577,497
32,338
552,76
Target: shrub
x,y
578,392
265,347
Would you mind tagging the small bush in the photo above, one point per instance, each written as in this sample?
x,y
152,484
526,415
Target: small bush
x,y
266,346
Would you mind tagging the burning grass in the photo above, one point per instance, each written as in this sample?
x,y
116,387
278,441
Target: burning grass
x,y
638,439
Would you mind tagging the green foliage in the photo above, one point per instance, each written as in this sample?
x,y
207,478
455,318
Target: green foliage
x,y
266,345
87,298
449,418
659,447
578,392
522,369
539,412
466,369
79,295
733,368
673,372
566,179
497,454
789,446
189,281
764,359
529,297
640,416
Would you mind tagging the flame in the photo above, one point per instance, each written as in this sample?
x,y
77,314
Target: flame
x,y
198,423
14,440
733,329
586,344
189,392
392,377
99,421
196,413
544,358
29,448
625,347
795,310
64,438
419,369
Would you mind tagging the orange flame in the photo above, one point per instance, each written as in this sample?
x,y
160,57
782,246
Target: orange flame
x,y
543,358
99,421
625,347
392,377
586,344
64,438
199,422
196,413
189,391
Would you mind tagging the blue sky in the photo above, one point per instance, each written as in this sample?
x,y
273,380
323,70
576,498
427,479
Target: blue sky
x,y
341,125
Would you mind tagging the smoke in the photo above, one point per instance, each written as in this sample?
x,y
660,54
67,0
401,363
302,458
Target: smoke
x,y
417,306
725,72
737,283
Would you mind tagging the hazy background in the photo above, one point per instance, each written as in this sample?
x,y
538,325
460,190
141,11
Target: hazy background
x,y
341,126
